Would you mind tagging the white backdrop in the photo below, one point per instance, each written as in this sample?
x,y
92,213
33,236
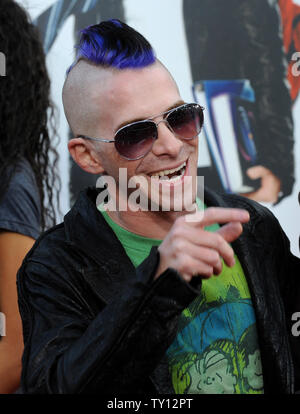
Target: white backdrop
x,y
161,22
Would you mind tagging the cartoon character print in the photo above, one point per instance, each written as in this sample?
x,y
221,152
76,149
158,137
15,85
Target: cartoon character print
x,y
223,368
216,348
252,368
212,373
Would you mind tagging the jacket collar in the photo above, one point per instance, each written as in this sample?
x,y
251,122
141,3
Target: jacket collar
x,y
85,226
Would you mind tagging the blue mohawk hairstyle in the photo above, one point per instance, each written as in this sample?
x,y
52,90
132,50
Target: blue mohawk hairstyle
x,y
114,44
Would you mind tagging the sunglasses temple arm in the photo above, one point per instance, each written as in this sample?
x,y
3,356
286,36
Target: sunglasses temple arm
x,y
95,139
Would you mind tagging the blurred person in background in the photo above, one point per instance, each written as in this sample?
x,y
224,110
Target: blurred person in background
x,y
28,179
242,39
50,23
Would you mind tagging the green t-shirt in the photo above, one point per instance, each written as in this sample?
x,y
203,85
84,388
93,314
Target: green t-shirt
x,y
216,348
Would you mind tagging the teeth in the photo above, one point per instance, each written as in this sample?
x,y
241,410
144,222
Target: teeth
x,y
176,178
167,172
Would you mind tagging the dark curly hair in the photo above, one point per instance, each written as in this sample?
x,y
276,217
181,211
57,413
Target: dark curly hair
x,y
26,111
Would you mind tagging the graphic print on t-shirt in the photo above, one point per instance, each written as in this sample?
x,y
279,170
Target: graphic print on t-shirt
x,y
216,350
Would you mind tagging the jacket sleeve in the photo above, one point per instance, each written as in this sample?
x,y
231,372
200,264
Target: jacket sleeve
x,y
290,287
70,348
287,267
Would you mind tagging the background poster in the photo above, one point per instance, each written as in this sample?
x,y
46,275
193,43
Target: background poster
x,y
210,47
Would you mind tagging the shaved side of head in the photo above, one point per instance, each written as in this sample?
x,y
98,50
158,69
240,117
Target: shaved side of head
x,y
103,49
82,108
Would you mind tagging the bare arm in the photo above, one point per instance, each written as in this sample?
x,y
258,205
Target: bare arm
x,y
13,248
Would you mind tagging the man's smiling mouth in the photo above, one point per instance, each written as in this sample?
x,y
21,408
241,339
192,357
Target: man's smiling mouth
x,y
172,175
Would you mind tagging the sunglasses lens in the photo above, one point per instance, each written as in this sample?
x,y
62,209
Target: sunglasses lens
x,y
134,141
186,121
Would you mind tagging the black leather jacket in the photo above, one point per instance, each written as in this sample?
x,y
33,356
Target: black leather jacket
x,y
94,324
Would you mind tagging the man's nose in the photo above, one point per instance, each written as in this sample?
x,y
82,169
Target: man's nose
x,y
167,143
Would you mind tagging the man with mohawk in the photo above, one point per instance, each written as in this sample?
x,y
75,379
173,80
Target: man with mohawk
x,y
133,299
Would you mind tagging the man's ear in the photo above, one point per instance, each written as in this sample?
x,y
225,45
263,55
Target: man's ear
x,y
83,155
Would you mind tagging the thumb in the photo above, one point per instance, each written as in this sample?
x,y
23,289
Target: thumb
x,y
231,231
256,172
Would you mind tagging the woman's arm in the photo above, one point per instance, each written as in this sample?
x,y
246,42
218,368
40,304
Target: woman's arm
x,y
13,248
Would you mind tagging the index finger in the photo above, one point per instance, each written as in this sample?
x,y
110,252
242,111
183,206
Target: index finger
x,y
214,215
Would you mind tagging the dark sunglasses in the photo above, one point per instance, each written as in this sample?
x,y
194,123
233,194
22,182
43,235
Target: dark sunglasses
x,y
135,140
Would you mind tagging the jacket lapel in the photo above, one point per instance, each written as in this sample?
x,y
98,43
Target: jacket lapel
x,y
88,231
